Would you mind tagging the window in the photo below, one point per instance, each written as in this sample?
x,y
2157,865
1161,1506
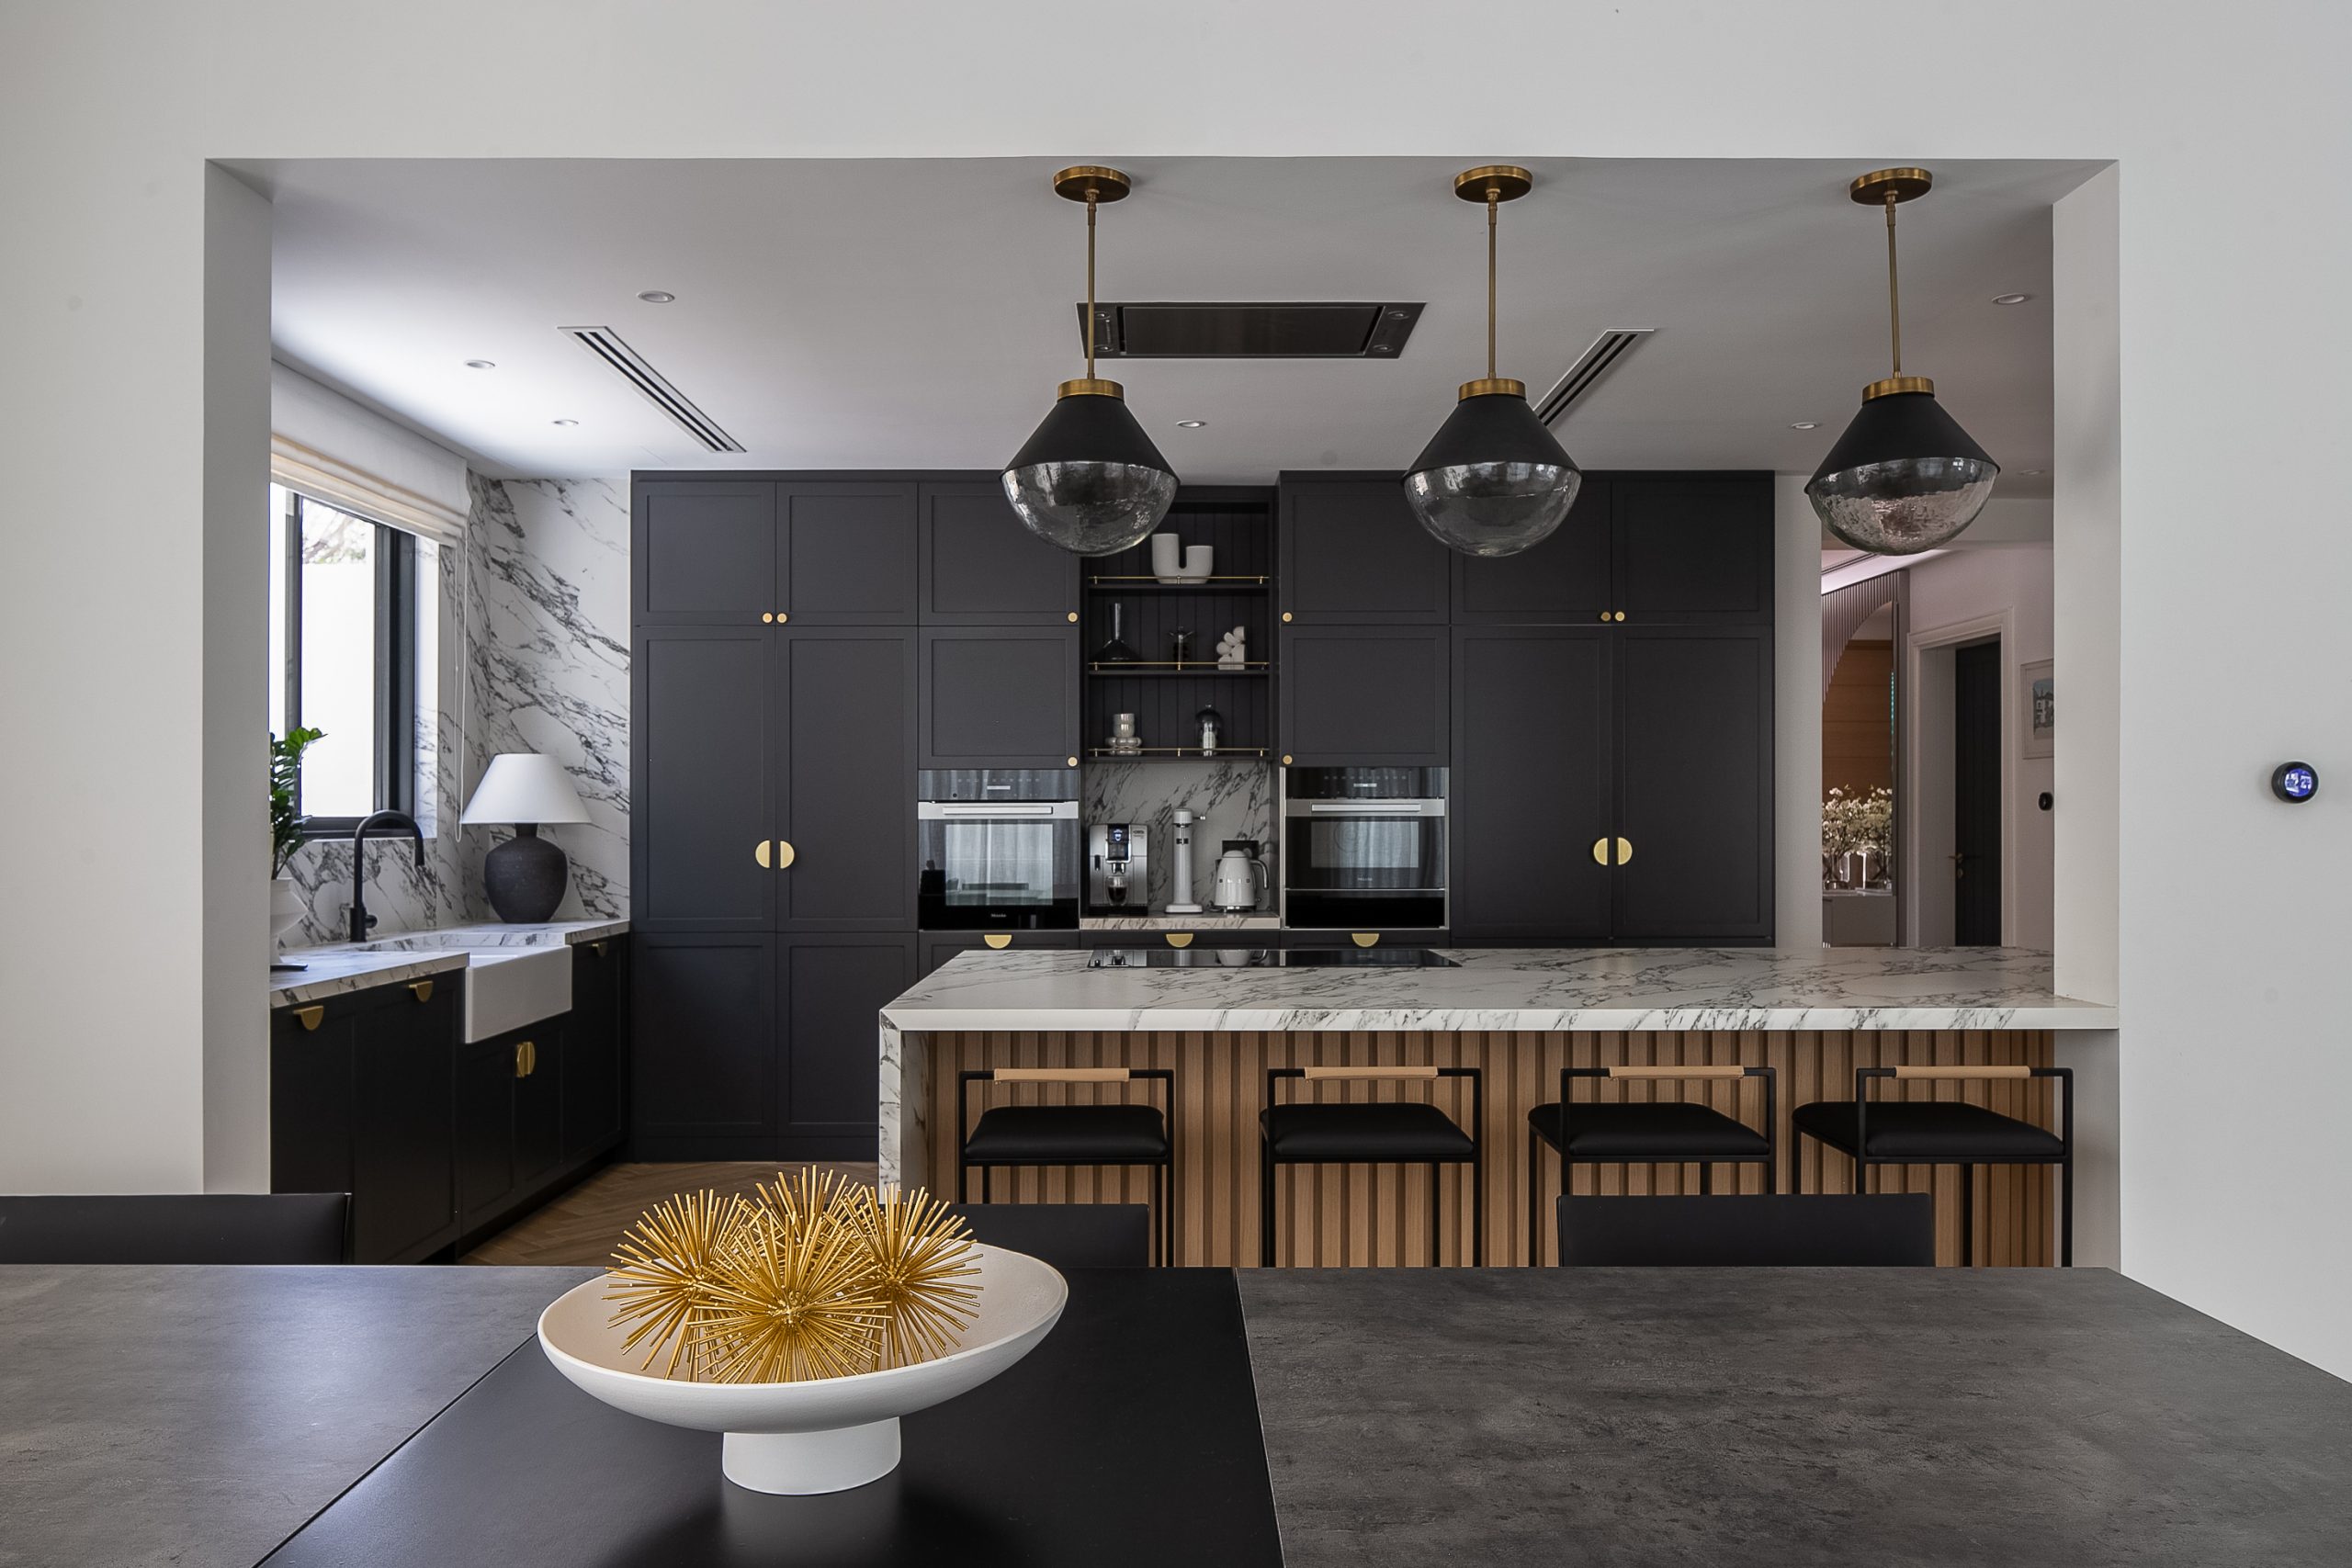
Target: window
x,y
343,642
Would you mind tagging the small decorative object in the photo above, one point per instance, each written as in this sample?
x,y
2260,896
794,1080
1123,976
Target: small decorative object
x,y
1212,723
2040,715
1116,650
1167,558
802,1324
1198,559
527,875
1124,741
1233,648
1180,646
284,827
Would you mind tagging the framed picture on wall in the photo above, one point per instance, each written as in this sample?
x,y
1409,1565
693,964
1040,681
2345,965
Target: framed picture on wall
x,y
2040,724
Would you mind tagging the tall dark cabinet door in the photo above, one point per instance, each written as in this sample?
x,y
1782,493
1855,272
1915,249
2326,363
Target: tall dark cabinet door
x,y
700,730
705,1045
1352,551
404,1147
705,552
847,722
1694,784
1693,549
999,697
310,1100
592,1047
1564,581
1530,790
980,566
485,1095
832,989
846,554
1367,696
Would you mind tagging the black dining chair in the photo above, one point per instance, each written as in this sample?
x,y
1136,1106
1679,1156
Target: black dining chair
x,y
1652,1132
1873,1132
1036,1136
1068,1235
195,1228
1374,1132
1748,1231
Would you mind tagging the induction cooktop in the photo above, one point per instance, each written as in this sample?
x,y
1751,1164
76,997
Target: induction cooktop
x,y
1267,958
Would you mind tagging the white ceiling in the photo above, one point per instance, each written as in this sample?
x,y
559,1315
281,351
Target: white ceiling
x,y
859,314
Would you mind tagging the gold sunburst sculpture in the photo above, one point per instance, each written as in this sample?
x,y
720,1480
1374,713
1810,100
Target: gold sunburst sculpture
x,y
816,1278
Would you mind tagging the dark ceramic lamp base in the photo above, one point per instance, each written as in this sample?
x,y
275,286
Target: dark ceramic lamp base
x,y
526,877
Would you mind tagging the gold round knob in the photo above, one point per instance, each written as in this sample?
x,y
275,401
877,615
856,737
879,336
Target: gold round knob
x,y
1604,615
1073,762
766,619
1621,615
1285,617
1073,615
781,617
1286,758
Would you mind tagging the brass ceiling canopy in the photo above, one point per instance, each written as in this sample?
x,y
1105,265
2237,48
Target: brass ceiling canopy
x,y
1090,387
1091,182
1489,386
1882,185
1499,182
1888,386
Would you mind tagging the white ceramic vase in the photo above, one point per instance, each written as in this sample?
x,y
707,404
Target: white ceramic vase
x,y
285,907
826,1435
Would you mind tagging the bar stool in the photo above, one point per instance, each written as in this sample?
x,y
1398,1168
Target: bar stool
x,y
1950,1132
1379,1132
1663,1132
1118,1134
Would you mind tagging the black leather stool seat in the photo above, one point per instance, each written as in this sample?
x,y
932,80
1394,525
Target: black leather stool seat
x,y
1667,1130
1069,1134
1937,1131
1362,1133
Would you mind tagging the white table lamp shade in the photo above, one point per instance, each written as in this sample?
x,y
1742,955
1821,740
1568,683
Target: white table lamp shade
x,y
523,786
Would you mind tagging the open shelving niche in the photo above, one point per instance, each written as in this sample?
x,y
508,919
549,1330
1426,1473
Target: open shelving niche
x,y
1238,524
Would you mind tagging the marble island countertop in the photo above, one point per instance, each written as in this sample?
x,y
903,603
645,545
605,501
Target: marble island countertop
x,y
342,968
1561,990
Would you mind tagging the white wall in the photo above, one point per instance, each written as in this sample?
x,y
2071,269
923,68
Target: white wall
x,y
113,791
2009,585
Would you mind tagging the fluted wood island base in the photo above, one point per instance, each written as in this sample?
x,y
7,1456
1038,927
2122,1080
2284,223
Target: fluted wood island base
x,y
1219,1030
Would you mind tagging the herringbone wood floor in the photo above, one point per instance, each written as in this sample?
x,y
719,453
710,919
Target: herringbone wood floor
x,y
582,1226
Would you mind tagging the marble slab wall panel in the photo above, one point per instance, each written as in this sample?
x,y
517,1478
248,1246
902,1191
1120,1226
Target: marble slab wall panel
x,y
1230,800
547,618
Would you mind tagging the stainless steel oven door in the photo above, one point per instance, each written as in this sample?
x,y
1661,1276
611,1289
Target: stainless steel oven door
x,y
997,865
1364,864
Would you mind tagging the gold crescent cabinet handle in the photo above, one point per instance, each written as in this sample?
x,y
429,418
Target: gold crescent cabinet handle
x,y
421,990
1364,939
311,1017
761,854
522,1056
998,939
1180,939
1601,852
785,854
1624,851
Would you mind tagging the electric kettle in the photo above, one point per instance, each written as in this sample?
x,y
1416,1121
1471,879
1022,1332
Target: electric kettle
x,y
1241,878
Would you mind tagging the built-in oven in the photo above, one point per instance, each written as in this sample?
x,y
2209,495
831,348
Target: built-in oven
x,y
997,848
1363,848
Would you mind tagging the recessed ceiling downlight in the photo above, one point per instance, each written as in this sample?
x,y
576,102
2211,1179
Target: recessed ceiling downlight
x,y
1191,424
481,364
1805,425
657,297
567,422
2011,299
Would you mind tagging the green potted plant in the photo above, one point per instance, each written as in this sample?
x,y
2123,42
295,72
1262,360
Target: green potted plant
x,y
284,827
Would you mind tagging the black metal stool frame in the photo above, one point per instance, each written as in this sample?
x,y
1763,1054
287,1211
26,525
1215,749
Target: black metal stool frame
x,y
1476,1162
1163,1170
1768,1159
2065,1162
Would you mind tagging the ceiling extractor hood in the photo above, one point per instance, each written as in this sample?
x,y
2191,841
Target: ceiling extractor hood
x,y
1251,328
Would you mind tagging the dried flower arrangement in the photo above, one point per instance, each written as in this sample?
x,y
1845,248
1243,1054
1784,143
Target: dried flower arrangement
x,y
1850,823
815,1277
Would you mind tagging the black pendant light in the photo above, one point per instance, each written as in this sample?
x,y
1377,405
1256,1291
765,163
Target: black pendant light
x,y
1905,477
1492,481
1089,479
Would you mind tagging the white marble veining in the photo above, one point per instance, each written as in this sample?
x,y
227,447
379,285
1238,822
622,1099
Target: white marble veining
x,y
339,967
1230,800
1522,988
547,654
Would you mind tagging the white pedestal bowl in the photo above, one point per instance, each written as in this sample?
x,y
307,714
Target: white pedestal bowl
x,y
826,1435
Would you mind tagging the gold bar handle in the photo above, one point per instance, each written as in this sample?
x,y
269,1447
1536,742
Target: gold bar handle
x,y
2015,1070
311,1017
1708,1072
1324,1075
1060,1075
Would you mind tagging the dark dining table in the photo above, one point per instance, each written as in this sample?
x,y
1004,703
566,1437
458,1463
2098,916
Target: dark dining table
x,y
389,1416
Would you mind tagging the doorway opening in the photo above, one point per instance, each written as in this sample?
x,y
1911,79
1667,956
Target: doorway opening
x,y
1975,855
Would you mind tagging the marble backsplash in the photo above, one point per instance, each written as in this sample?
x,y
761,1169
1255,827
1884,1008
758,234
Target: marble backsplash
x,y
529,652
1229,800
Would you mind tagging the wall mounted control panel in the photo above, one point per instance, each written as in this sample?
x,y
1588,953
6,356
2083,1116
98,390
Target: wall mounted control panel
x,y
2294,783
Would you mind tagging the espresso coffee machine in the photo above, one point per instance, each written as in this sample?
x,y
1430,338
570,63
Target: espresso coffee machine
x,y
1118,868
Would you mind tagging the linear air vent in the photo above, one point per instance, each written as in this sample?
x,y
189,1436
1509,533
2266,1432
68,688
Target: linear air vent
x,y
606,345
1596,362
1249,329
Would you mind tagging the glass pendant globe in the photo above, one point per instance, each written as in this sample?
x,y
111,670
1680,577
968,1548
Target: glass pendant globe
x,y
1492,509
1902,506
1087,508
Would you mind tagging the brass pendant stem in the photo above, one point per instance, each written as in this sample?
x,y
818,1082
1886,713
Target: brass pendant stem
x,y
1494,206
1089,279
1893,295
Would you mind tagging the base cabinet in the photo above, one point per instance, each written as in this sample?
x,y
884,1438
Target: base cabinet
x,y
594,1047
